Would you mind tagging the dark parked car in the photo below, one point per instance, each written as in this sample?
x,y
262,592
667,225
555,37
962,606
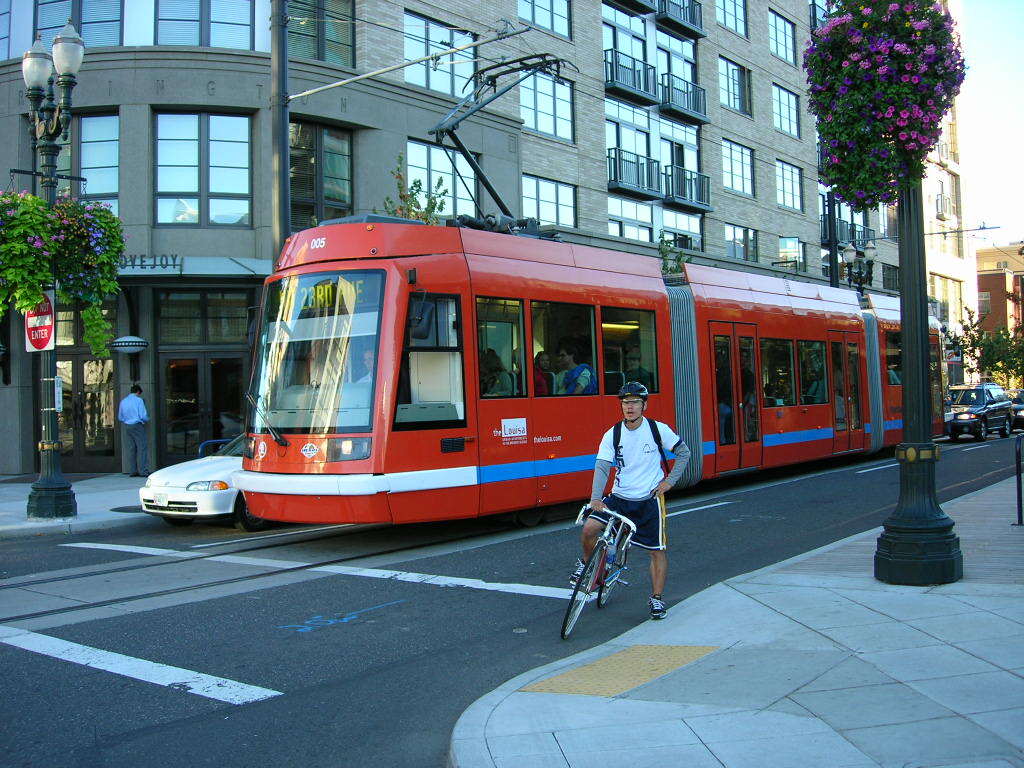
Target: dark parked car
x,y
980,409
1017,403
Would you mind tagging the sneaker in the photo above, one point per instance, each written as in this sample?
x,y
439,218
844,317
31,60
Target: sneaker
x,y
576,572
658,607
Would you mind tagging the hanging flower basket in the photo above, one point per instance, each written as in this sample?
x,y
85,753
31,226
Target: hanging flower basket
x,y
881,77
83,241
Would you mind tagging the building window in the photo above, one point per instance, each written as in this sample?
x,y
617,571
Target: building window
x,y
623,32
676,56
737,167
545,104
791,254
450,73
549,202
782,37
984,303
786,110
887,221
946,297
630,219
321,174
96,159
5,29
683,230
788,187
203,317
322,30
740,243
430,163
203,170
890,277
97,21
207,23
732,14
734,86
548,14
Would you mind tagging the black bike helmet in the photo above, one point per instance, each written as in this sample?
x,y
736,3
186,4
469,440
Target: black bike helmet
x,y
633,389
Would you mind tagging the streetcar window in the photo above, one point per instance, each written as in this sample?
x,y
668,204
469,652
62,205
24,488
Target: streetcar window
x,y
723,391
853,369
566,333
893,358
813,376
629,347
430,384
777,372
499,336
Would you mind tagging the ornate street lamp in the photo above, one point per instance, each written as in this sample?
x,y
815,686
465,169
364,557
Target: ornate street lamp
x,y
860,266
50,117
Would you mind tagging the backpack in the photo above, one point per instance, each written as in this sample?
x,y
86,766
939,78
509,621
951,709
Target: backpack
x,y
617,442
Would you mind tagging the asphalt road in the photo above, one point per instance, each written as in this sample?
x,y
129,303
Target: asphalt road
x,y
367,671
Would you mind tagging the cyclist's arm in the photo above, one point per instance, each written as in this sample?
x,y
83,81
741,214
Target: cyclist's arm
x,y
601,471
682,453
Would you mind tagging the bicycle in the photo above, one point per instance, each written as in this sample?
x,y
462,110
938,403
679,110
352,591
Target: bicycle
x,y
604,568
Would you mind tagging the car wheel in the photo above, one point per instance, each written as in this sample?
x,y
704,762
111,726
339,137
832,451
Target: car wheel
x,y
179,522
245,520
1006,429
982,430
528,518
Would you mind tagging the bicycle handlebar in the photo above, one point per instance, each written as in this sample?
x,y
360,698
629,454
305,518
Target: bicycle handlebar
x,y
606,511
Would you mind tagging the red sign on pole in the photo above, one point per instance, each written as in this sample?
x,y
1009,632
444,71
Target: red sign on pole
x,y
39,325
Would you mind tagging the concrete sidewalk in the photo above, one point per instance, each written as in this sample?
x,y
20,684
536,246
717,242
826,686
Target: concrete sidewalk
x,y
809,663
97,497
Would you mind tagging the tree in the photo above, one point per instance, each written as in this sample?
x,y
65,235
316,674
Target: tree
x,y
997,354
415,202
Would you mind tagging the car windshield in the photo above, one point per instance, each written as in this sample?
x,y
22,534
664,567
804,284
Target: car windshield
x,y
317,353
968,396
234,447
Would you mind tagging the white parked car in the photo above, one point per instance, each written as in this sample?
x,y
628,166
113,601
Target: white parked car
x,y
200,490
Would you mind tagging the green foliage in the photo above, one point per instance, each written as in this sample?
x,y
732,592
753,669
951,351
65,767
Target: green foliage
x,y
672,257
81,242
415,202
997,354
881,76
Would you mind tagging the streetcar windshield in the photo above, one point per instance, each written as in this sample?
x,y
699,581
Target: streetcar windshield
x,y
318,352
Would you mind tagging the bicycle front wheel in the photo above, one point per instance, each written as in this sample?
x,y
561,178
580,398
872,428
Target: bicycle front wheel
x,y
589,581
604,593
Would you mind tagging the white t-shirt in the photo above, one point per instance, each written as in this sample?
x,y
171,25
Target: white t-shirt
x,y
642,469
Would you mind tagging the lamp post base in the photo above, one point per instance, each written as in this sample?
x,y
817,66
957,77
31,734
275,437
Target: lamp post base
x,y
46,501
915,557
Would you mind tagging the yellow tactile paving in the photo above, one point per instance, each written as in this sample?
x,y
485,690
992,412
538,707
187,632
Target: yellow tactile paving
x,y
622,671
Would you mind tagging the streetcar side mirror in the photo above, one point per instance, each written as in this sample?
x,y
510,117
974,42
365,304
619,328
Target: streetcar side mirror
x,y
421,319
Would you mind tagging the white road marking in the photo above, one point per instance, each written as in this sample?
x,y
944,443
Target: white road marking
x,y
872,469
271,535
136,550
694,509
219,688
975,448
447,581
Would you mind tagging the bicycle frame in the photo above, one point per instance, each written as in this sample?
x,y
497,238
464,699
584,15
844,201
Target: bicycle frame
x,y
618,532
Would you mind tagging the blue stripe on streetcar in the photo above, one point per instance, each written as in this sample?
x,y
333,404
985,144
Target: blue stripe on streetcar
x,y
523,470
894,424
708,447
801,436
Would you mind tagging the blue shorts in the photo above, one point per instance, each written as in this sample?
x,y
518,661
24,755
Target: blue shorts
x,y
647,514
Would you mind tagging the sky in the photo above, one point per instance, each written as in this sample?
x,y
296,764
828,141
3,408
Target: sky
x,y
991,120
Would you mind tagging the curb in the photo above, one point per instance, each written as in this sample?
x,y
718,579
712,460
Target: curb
x,y
16,531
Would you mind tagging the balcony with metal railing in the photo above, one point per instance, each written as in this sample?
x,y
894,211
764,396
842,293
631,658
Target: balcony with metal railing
x,y
681,98
684,16
943,207
629,77
633,174
819,15
847,232
686,188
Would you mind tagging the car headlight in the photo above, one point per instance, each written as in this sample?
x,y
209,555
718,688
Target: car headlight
x,y
149,482
348,448
208,485
965,416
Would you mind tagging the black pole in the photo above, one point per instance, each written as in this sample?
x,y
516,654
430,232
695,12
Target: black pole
x,y
51,495
918,545
832,235
279,119
1020,507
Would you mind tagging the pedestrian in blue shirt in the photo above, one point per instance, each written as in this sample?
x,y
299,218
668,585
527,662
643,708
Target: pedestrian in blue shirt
x,y
132,413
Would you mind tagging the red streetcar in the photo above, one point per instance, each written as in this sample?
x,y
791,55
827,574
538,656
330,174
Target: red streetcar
x,y
408,373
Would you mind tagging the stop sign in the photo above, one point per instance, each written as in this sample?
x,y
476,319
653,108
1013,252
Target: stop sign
x,y
39,325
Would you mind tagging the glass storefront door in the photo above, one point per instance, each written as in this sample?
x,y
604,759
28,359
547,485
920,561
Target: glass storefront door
x,y
88,423
201,396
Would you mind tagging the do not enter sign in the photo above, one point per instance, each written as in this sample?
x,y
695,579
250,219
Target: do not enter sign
x,y
39,325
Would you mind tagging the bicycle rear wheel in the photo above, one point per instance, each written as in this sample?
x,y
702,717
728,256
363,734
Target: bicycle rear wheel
x,y
589,580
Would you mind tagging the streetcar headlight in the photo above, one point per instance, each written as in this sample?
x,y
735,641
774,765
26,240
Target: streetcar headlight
x,y
348,448
208,485
966,416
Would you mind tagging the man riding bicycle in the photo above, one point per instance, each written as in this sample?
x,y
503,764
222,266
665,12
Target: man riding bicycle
x,y
638,455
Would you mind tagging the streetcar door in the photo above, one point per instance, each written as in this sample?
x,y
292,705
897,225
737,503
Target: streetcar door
x,y
737,412
847,406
